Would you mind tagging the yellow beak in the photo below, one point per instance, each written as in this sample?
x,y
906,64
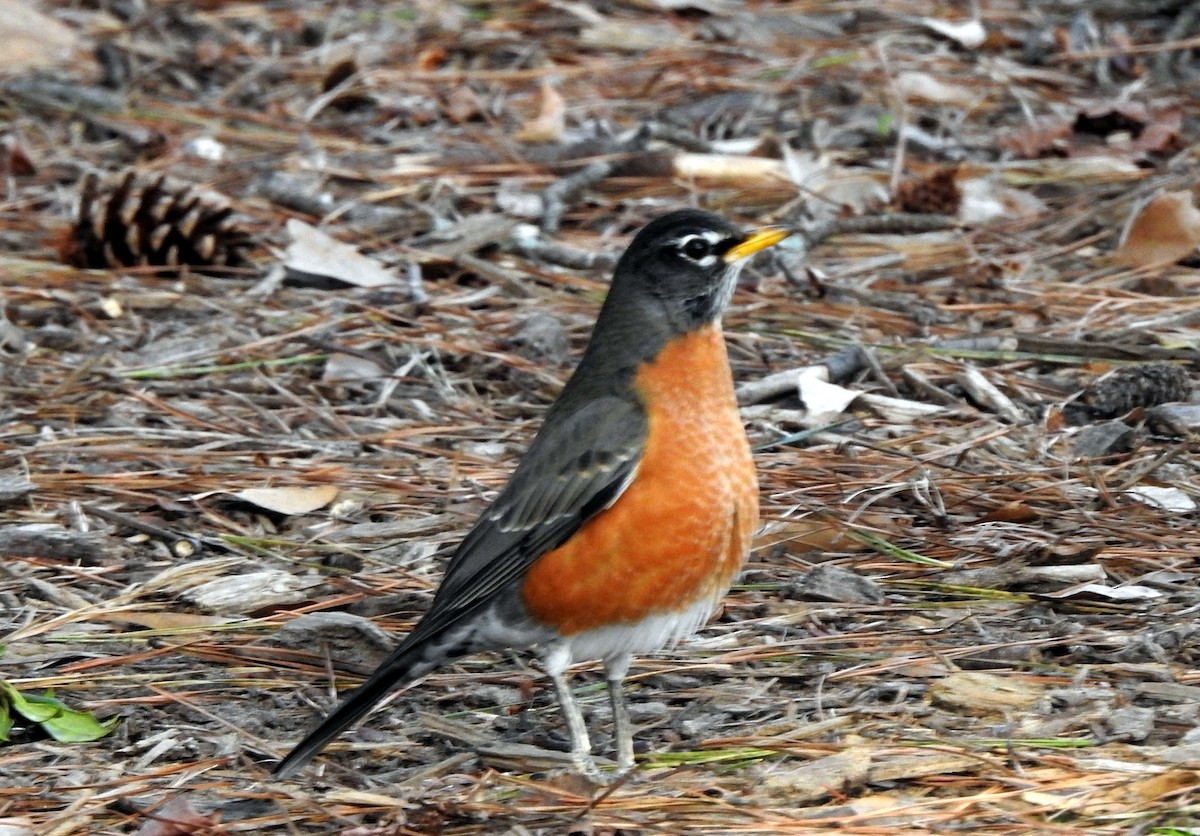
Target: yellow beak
x,y
760,239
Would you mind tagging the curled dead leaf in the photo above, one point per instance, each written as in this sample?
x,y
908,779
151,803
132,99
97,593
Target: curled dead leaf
x,y
290,500
1164,231
551,122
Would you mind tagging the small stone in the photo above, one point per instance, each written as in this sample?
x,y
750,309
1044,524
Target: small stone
x,y
542,338
832,583
351,639
1107,439
1175,419
1130,723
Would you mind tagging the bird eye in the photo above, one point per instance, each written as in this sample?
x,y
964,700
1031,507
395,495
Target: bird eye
x,y
695,247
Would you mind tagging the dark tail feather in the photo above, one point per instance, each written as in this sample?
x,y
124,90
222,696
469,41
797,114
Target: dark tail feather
x,y
404,665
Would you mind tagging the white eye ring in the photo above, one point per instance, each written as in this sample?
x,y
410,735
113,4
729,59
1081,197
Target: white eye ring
x,y
703,254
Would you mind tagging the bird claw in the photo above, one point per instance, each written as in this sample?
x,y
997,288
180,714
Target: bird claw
x,y
587,769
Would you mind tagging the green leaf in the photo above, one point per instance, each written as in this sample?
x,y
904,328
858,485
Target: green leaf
x,y
6,721
61,722
79,727
37,709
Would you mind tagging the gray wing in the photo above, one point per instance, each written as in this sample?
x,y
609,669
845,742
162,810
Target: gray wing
x,y
576,467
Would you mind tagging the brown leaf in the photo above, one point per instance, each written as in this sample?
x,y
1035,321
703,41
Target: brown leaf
x,y
462,104
1162,135
1036,140
1013,512
1166,230
178,818
551,122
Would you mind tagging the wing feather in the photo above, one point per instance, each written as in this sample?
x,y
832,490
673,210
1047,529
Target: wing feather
x,y
576,467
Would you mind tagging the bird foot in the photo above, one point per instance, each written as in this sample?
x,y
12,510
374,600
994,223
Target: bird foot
x,y
586,768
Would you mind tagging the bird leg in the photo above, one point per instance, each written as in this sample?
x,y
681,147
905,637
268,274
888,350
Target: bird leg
x,y
622,730
614,671
581,745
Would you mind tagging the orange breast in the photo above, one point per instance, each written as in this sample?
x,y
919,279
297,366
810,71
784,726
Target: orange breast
x,y
682,529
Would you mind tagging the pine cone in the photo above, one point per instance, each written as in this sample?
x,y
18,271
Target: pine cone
x,y
133,222
1126,389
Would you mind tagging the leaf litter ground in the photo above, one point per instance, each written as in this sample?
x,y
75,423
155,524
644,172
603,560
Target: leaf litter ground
x,y
973,605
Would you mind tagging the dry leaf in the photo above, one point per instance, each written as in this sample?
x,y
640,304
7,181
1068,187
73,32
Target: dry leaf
x,y
551,122
1035,139
342,368
1164,231
979,692
966,33
1169,499
1162,135
1015,511
924,87
1127,594
33,40
1106,130
820,533
985,199
463,104
178,818
291,500
1158,786
820,396
314,253
809,534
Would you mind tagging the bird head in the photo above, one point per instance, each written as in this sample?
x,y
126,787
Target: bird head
x,y
685,265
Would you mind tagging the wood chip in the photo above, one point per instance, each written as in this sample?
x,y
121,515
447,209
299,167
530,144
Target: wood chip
x,y
976,691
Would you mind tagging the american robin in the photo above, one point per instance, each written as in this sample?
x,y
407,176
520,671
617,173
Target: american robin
x,y
631,512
